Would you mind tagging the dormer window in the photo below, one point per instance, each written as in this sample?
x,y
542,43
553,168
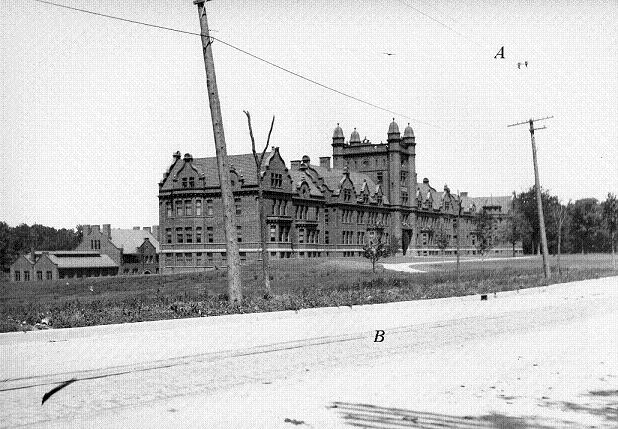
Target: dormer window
x,y
191,182
276,180
347,194
379,199
380,176
404,197
184,182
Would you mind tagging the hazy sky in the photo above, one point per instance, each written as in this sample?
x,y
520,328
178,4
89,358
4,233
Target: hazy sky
x,y
93,109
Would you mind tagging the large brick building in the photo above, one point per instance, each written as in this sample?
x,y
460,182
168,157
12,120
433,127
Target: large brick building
x,y
315,210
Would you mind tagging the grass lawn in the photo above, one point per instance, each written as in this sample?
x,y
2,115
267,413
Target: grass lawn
x,y
297,283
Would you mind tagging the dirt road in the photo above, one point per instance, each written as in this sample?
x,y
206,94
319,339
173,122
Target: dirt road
x,y
543,357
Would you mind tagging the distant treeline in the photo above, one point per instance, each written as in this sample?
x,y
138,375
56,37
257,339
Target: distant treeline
x,y
15,241
588,225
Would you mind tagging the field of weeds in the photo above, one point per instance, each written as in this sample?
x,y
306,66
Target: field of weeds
x,y
297,284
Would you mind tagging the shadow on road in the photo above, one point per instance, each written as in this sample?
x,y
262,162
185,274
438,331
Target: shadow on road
x,y
372,416
601,403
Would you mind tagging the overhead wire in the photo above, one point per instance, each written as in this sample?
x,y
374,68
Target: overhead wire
x,y
223,42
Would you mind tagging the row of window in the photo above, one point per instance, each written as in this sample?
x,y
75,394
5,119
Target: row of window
x,y
185,207
95,244
302,212
347,216
280,207
189,235
190,259
39,275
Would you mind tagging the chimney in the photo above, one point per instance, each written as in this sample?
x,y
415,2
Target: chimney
x,y
155,231
107,230
295,164
32,255
87,229
325,162
95,228
426,181
147,228
463,194
136,228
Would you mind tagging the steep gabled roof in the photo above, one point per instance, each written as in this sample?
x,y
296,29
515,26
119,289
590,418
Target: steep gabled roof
x,y
244,165
131,239
298,176
333,176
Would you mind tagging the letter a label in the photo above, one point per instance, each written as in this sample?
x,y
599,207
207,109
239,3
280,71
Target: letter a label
x,y
500,53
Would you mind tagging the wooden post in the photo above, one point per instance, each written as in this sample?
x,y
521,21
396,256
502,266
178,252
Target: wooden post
x,y
537,185
539,204
227,198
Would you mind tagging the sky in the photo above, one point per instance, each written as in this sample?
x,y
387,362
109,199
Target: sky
x,y
94,108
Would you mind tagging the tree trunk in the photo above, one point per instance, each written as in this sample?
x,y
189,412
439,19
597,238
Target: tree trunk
x,y
613,250
559,250
262,218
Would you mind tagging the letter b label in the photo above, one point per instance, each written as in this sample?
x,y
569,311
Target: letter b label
x,y
379,336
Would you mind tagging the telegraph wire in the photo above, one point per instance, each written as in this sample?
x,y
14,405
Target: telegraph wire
x,y
439,22
469,39
176,30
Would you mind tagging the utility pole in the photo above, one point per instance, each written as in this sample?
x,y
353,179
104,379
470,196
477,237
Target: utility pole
x,y
227,198
537,185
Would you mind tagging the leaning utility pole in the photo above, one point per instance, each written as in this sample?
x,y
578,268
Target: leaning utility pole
x,y
229,219
537,185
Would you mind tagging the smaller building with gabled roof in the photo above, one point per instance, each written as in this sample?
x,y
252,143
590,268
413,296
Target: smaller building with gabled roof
x,y
61,264
135,251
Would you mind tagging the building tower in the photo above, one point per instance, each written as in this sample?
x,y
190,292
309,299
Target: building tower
x,y
395,182
338,144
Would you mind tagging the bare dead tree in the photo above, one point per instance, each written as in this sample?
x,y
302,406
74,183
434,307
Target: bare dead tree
x,y
262,217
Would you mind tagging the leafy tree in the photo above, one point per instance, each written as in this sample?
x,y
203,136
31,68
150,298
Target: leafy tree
x,y
610,216
20,239
484,232
526,218
442,238
513,229
587,226
376,250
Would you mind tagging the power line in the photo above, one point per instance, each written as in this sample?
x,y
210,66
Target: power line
x,y
469,39
176,30
441,23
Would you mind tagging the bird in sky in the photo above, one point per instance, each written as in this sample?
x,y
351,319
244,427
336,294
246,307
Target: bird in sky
x,y
388,53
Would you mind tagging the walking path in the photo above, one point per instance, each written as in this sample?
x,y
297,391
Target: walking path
x,y
406,267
